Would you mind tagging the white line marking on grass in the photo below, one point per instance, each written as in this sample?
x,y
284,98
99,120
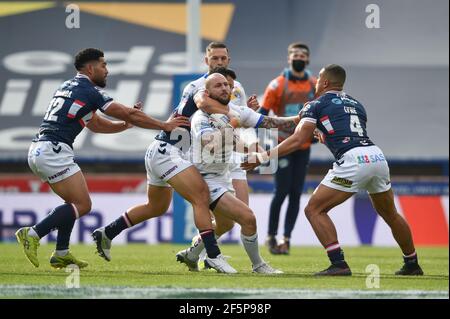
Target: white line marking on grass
x,y
42,291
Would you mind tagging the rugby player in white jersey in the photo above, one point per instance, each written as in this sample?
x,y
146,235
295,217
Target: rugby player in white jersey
x,y
215,170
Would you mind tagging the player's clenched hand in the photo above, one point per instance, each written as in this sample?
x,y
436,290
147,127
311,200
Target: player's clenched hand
x,y
235,118
319,136
250,162
253,103
173,123
138,106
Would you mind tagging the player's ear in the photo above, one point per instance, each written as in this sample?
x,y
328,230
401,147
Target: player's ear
x,y
206,60
90,68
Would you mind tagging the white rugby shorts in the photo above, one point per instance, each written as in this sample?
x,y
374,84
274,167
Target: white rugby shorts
x,y
361,168
236,171
162,162
218,185
52,161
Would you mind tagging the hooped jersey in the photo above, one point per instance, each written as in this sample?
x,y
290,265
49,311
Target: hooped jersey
x,y
71,109
341,119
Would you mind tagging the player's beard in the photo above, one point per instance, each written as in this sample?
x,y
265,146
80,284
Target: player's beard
x,y
100,82
222,100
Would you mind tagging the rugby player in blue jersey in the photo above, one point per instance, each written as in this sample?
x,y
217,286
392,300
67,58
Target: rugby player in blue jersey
x,y
360,165
74,106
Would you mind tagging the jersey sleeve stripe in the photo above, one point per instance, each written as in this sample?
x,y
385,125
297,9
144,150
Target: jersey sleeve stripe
x,y
74,108
308,119
104,107
261,118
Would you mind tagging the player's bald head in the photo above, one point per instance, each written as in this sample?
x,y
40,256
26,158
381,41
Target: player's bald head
x,y
213,79
218,88
335,74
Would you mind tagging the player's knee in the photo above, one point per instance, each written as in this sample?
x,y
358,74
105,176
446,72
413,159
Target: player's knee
x,y
248,221
310,211
202,195
84,207
224,227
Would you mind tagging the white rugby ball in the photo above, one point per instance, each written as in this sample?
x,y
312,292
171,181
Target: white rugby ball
x,y
219,121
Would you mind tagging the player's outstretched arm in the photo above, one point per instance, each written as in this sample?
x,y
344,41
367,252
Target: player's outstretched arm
x,y
98,124
286,124
302,134
138,118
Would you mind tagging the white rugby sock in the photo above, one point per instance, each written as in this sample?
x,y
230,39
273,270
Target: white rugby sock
x,y
32,233
61,253
198,246
252,248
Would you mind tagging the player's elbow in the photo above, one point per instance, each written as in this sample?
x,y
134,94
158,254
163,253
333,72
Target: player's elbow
x,y
201,104
200,100
93,125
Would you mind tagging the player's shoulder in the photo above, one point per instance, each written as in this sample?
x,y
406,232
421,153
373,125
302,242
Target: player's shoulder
x,y
317,102
238,85
80,87
101,93
199,116
200,121
196,84
193,87
352,100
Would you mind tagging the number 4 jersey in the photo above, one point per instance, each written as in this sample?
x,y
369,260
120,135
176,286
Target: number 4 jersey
x,y
71,108
341,119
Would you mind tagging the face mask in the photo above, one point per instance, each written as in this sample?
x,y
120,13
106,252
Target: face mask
x,y
298,65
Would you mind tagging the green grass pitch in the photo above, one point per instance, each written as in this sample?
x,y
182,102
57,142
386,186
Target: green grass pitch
x,y
151,271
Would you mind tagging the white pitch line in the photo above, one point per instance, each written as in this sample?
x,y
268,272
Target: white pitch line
x,y
38,291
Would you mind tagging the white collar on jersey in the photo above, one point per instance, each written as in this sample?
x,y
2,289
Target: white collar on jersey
x,y
80,75
336,92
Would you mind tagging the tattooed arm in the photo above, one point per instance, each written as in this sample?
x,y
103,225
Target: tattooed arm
x,y
286,124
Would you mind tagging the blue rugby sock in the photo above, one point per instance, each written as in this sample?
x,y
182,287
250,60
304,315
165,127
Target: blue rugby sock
x,y
117,226
211,246
62,217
